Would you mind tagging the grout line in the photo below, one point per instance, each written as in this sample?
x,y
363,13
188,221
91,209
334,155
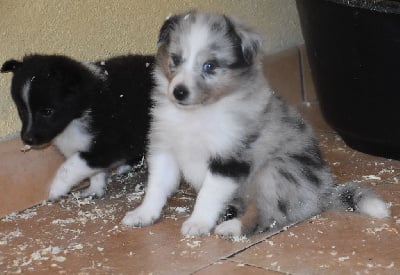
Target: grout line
x,y
268,236
258,267
233,254
223,258
246,247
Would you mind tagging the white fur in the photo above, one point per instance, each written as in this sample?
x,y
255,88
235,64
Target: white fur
x,y
70,142
71,172
373,207
211,201
191,46
97,187
94,69
74,138
25,98
194,135
229,228
123,169
163,181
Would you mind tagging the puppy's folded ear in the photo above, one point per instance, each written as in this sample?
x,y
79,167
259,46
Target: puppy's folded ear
x,y
250,40
166,29
251,43
10,66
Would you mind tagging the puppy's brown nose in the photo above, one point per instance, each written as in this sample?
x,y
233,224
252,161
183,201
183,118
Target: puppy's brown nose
x,y
181,92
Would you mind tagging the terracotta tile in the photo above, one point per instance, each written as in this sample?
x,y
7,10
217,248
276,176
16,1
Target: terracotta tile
x,y
25,177
234,268
334,243
283,73
349,165
84,235
308,82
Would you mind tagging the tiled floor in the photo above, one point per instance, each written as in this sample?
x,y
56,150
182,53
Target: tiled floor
x,y
84,236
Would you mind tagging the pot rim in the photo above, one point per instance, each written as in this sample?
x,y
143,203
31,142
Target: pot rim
x,y
384,6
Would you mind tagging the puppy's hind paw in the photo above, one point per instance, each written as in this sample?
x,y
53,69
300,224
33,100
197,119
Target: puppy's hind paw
x,y
98,193
123,169
138,218
231,228
193,227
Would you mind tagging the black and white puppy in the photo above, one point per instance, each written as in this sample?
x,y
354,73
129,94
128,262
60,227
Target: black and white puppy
x,y
216,122
95,113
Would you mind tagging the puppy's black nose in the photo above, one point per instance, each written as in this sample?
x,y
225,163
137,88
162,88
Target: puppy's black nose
x,y
29,140
181,92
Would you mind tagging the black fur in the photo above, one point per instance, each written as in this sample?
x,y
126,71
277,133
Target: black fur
x,y
10,66
233,168
288,176
310,175
250,139
231,212
295,123
309,159
242,60
282,206
348,198
117,102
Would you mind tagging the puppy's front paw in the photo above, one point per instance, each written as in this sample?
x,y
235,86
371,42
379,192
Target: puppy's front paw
x,y
231,228
57,191
139,217
196,227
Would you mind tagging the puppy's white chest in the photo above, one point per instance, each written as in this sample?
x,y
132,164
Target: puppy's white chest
x,y
196,137
193,160
74,138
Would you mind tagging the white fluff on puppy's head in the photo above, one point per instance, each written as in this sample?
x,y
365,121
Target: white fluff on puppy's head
x,y
216,123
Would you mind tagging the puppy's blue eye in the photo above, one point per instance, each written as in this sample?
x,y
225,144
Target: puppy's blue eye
x,y
47,112
209,67
176,59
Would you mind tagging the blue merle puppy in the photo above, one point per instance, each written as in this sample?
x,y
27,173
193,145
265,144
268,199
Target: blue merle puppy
x,y
217,124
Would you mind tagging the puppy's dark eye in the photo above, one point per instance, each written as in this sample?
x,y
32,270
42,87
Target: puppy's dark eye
x,y
209,67
47,112
176,59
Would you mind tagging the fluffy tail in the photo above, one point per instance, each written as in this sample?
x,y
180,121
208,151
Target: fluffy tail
x,y
355,197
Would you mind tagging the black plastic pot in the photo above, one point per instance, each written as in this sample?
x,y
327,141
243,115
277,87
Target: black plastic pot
x,y
354,52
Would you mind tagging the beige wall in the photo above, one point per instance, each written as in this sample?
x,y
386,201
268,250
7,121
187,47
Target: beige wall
x,y
92,29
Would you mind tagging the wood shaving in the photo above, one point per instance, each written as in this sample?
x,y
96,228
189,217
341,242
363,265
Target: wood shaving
x,y
384,227
342,259
371,177
26,214
193,244
239,239
5,238
25,148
